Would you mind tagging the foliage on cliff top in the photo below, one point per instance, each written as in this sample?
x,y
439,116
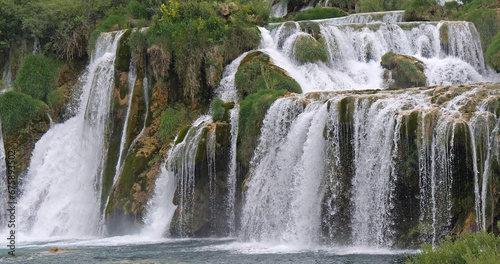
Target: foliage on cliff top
x,y
199,37
17,110
468,248
257,72
37,76
320,13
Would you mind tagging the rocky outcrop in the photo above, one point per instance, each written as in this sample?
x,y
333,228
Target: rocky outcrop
x,y
403,71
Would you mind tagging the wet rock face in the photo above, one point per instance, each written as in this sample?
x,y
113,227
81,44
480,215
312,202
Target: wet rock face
x,y
403,71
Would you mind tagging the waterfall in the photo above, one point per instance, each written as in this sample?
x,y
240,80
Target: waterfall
x,y
300,181
4,197
179,174
132,76
451,56
231,179
61,191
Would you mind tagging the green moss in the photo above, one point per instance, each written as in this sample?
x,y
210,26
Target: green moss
x,y
92,40
182,134
37,76
217,109
492,55
309,49
17,110
252,112
406,71
257,72
172,119
122,62
320,13
443,36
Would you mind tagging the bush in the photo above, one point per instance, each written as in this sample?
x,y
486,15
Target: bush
x,y
418,10
252,112
111,23
37,76
256,72
492,55
320,13
138,10
309,49
17,110
469,248
217,109
172,119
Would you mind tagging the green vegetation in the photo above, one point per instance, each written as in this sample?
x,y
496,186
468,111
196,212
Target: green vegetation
x,y
252,112
478,248
486,22
309,49
217,109
172,119
257,72
37,76
406,70
492,55
320,13
199,37
17,110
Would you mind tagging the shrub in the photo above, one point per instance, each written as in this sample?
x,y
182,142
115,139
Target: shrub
x,y
37,76
17,110
112,22
418,10
252,112
320,13
469,248
172,119
217,109
138,10
256,72
492,55
309,49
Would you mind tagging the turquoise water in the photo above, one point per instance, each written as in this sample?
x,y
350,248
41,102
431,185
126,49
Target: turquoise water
x,y
130,249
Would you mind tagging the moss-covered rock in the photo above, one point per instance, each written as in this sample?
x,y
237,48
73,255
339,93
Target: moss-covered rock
x,y
309,49
257,72
403,71
252,112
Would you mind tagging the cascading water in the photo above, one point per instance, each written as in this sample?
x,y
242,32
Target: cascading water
x,y
61,191
382,165
451,56
177,174
3,183
132,75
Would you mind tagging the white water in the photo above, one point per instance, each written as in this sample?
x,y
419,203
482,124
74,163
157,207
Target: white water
x,y
61,191
178,174
3,183
231,178
132,76
286,175
355,52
